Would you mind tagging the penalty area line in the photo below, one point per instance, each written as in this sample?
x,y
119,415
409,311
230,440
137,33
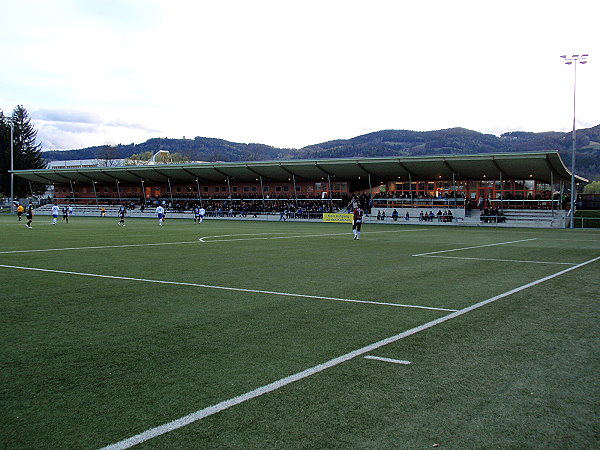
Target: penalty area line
x,y
214,409
225,288
474,246
497,259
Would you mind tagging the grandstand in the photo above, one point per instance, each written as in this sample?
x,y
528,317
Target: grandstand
x,y
490,190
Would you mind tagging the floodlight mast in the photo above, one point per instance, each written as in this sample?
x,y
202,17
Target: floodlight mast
x,y
12,167
574,59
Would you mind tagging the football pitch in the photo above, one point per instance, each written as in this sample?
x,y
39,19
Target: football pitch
x,y
231,334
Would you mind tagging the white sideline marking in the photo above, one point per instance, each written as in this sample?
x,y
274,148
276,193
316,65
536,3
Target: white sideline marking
x,y
195,242
573,240
97,247
496,259
226,288
37,224
390,360
475,246
209,411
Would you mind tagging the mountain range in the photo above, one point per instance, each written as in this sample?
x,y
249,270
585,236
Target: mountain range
x,y
453,141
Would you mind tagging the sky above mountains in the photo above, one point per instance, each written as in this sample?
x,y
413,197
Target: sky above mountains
x,y
294,73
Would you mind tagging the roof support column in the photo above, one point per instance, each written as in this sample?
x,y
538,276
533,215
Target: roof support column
x,y
199,194
562,193
143,193
501,194
118,190
170,192
72,190
552,192
454,190
370,193
412,199
229,188
295,192
330,194
95,193
262,190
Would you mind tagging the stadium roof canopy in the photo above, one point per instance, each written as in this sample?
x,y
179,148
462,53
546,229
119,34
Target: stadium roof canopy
x,y
543,166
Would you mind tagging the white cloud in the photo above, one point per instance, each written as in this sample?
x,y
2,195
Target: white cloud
x,y
65,115
64,129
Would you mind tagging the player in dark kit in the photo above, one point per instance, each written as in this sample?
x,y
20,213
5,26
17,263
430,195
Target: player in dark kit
x,y
29,212
357,222
122,213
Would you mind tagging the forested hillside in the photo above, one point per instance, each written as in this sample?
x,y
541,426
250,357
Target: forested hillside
x,y
197,149
453,141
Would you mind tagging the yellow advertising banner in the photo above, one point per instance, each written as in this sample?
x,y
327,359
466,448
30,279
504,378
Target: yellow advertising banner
x,y
338,217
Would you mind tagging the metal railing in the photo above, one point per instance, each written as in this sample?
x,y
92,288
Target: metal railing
x,y
586,222
526,204
460,203
418,202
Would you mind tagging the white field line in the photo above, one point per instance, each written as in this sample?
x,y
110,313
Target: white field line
x,y
474,246
390,360
33,224
572,240
96,247
210,410
496,259
210,238
295,236
225,288
196,242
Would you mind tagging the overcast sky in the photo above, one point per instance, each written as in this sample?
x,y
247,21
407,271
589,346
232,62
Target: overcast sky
x,y
291,73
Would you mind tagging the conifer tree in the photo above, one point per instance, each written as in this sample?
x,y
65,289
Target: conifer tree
x,y
26,152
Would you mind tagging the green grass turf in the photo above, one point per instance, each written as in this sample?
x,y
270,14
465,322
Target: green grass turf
x,y
86,361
